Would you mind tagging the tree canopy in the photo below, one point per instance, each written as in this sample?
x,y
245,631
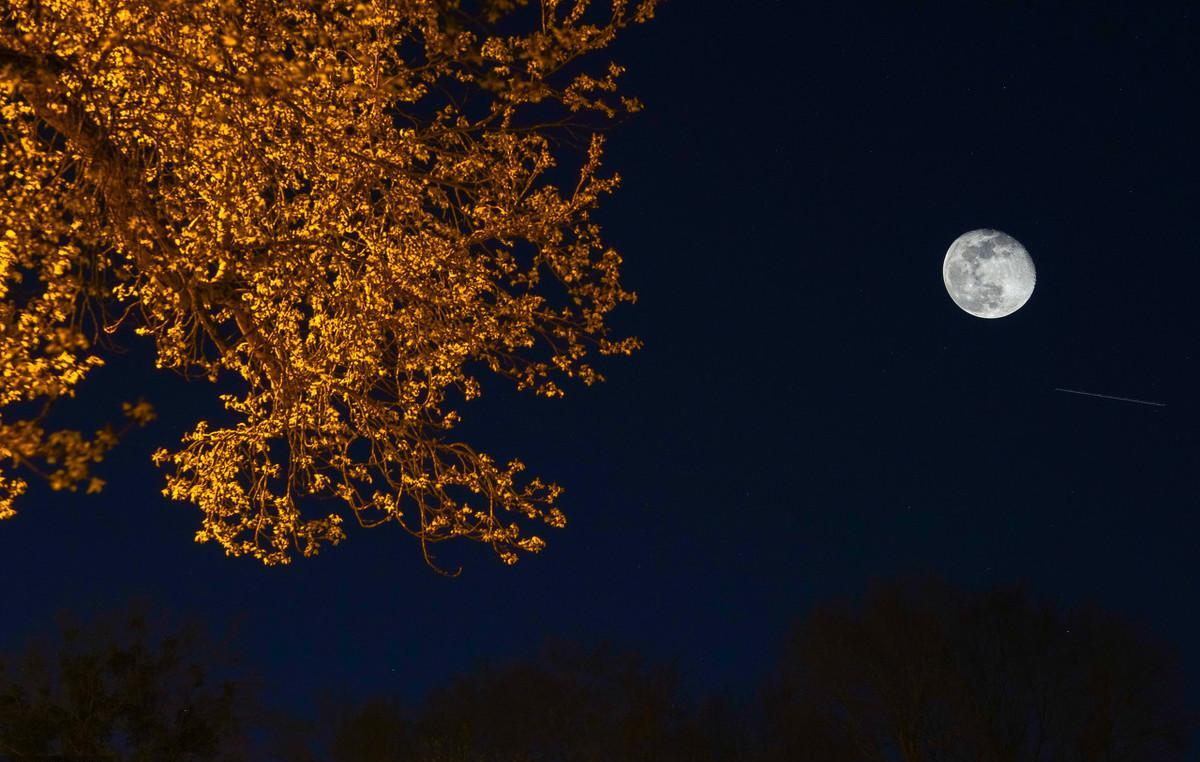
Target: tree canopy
x,y
357,208
921,671
567,702
123,687
915,671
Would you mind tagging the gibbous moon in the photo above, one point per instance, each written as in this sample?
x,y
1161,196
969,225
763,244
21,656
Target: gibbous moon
x,y
988,273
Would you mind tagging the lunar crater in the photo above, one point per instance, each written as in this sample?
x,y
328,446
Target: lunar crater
x,y
989,274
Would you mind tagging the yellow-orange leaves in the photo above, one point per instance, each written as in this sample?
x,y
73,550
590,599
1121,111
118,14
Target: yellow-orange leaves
x,y
346,205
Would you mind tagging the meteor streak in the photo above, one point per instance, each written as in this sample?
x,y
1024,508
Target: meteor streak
x,y
1111,397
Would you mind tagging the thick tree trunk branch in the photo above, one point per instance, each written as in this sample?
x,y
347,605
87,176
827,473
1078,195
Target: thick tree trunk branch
x,y
120,180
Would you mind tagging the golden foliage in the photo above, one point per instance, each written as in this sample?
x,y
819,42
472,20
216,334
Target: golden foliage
x,y
348,204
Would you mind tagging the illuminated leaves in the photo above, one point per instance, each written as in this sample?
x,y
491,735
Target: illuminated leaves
x,y
142,412
347,205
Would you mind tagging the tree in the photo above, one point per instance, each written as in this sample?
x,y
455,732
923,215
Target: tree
x,y
568,703
347,204
922,672
125,689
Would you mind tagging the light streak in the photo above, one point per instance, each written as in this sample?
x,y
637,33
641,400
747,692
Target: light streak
x,y
1111,397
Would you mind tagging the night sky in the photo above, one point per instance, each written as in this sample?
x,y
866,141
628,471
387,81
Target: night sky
x,y
810,411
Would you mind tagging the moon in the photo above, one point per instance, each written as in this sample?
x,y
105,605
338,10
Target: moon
x,y
988,273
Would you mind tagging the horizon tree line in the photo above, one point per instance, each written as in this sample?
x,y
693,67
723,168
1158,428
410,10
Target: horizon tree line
x,y
914,671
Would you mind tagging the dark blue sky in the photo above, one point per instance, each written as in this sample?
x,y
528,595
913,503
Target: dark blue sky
x,y
810,410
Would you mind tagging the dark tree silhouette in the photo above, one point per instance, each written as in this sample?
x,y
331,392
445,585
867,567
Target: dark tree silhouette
x,y
121,689
916,672
568,704
922,672
378,730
